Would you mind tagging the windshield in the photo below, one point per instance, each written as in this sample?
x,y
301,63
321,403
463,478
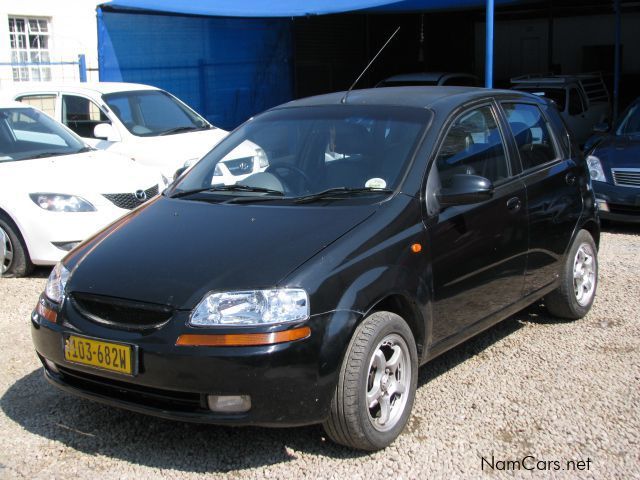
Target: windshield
x,y
327,150
558,95
148,113
27,133
630,123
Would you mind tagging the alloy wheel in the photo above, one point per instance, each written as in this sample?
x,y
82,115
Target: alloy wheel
x,y
6,251
388,382
584,274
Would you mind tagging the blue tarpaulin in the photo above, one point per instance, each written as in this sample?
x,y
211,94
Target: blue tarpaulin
x,y
292,8
228,59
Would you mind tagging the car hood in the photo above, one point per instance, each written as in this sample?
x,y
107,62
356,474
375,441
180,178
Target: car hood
x,y
170,152
88,172
619,151
174,251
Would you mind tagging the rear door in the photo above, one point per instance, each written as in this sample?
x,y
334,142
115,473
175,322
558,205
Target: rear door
x,y
554,201
479,250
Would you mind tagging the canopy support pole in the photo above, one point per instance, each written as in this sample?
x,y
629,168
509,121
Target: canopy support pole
x,y
616,67
488,67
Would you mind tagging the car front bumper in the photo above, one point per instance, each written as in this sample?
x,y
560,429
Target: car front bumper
x,y
44,232
289,383
615,203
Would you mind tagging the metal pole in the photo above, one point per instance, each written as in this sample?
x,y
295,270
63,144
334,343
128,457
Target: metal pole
x,y
616,67
488,66
82,66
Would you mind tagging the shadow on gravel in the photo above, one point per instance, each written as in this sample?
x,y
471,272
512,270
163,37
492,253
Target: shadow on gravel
x,y
95,429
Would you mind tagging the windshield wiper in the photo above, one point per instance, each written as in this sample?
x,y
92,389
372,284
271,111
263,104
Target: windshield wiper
x,y
85,149
238,187
339,192
48,154
182,129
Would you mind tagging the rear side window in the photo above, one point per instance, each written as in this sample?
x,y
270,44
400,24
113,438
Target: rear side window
x,y
531,133
473,146
81,115
45,102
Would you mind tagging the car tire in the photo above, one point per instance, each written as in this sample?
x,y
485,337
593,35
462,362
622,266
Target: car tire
x,y
578,280
377,384
16,262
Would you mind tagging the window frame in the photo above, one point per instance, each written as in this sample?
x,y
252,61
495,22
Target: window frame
x,y
89,99
464,110
558,148
29,67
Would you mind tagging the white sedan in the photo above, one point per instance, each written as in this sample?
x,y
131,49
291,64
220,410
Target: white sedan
x,y
56,191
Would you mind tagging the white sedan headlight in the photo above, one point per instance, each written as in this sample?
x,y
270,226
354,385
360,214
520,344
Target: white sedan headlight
x,y
57,283
595,169
56,202
252,307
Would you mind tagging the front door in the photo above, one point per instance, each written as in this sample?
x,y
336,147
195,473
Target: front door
x,y
478,251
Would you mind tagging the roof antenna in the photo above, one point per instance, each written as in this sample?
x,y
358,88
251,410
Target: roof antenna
x,y
344,99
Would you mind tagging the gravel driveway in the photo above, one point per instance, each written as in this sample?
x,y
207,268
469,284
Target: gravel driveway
x,y
533,392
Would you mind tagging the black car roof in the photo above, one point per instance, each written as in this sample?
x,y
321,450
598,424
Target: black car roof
x,y
419,97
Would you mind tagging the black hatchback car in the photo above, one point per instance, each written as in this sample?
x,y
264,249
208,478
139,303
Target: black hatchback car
x,y
390,225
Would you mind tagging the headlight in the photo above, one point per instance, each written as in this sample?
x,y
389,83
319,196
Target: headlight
x,y
595,169
55,202
56,283
261,156
252,307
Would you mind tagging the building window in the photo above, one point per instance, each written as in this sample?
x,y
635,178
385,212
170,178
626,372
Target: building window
x,y
29,39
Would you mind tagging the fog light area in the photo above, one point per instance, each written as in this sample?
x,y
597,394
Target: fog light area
x,y
229,403
66,246
602,205
51,366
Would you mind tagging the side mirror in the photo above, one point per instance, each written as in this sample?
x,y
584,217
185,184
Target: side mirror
x,y
464,189
105,131
601,127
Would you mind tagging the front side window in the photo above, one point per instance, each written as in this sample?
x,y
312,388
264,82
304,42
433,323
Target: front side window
x,y
149,113
306,151
473,146
531,133
29,39
26,133
81,115
575,102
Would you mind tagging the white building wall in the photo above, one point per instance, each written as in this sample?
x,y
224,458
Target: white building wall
x,y
73,31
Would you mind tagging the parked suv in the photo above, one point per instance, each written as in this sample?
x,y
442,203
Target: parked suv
x,y
141,122
390,225
583,100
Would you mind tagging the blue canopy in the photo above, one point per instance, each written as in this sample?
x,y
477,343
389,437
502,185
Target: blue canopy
x,y
292,8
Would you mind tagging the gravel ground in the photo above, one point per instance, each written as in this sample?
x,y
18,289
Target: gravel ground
x,y
530,386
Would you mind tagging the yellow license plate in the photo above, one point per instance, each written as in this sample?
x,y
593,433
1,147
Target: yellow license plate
x,y
96,353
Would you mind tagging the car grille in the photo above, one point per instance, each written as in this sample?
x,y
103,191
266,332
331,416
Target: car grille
x,y
626,177
119,313
240,166
129,201
128,392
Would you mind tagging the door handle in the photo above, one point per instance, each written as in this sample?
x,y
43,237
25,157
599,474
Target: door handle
x,y
570,178
514,204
